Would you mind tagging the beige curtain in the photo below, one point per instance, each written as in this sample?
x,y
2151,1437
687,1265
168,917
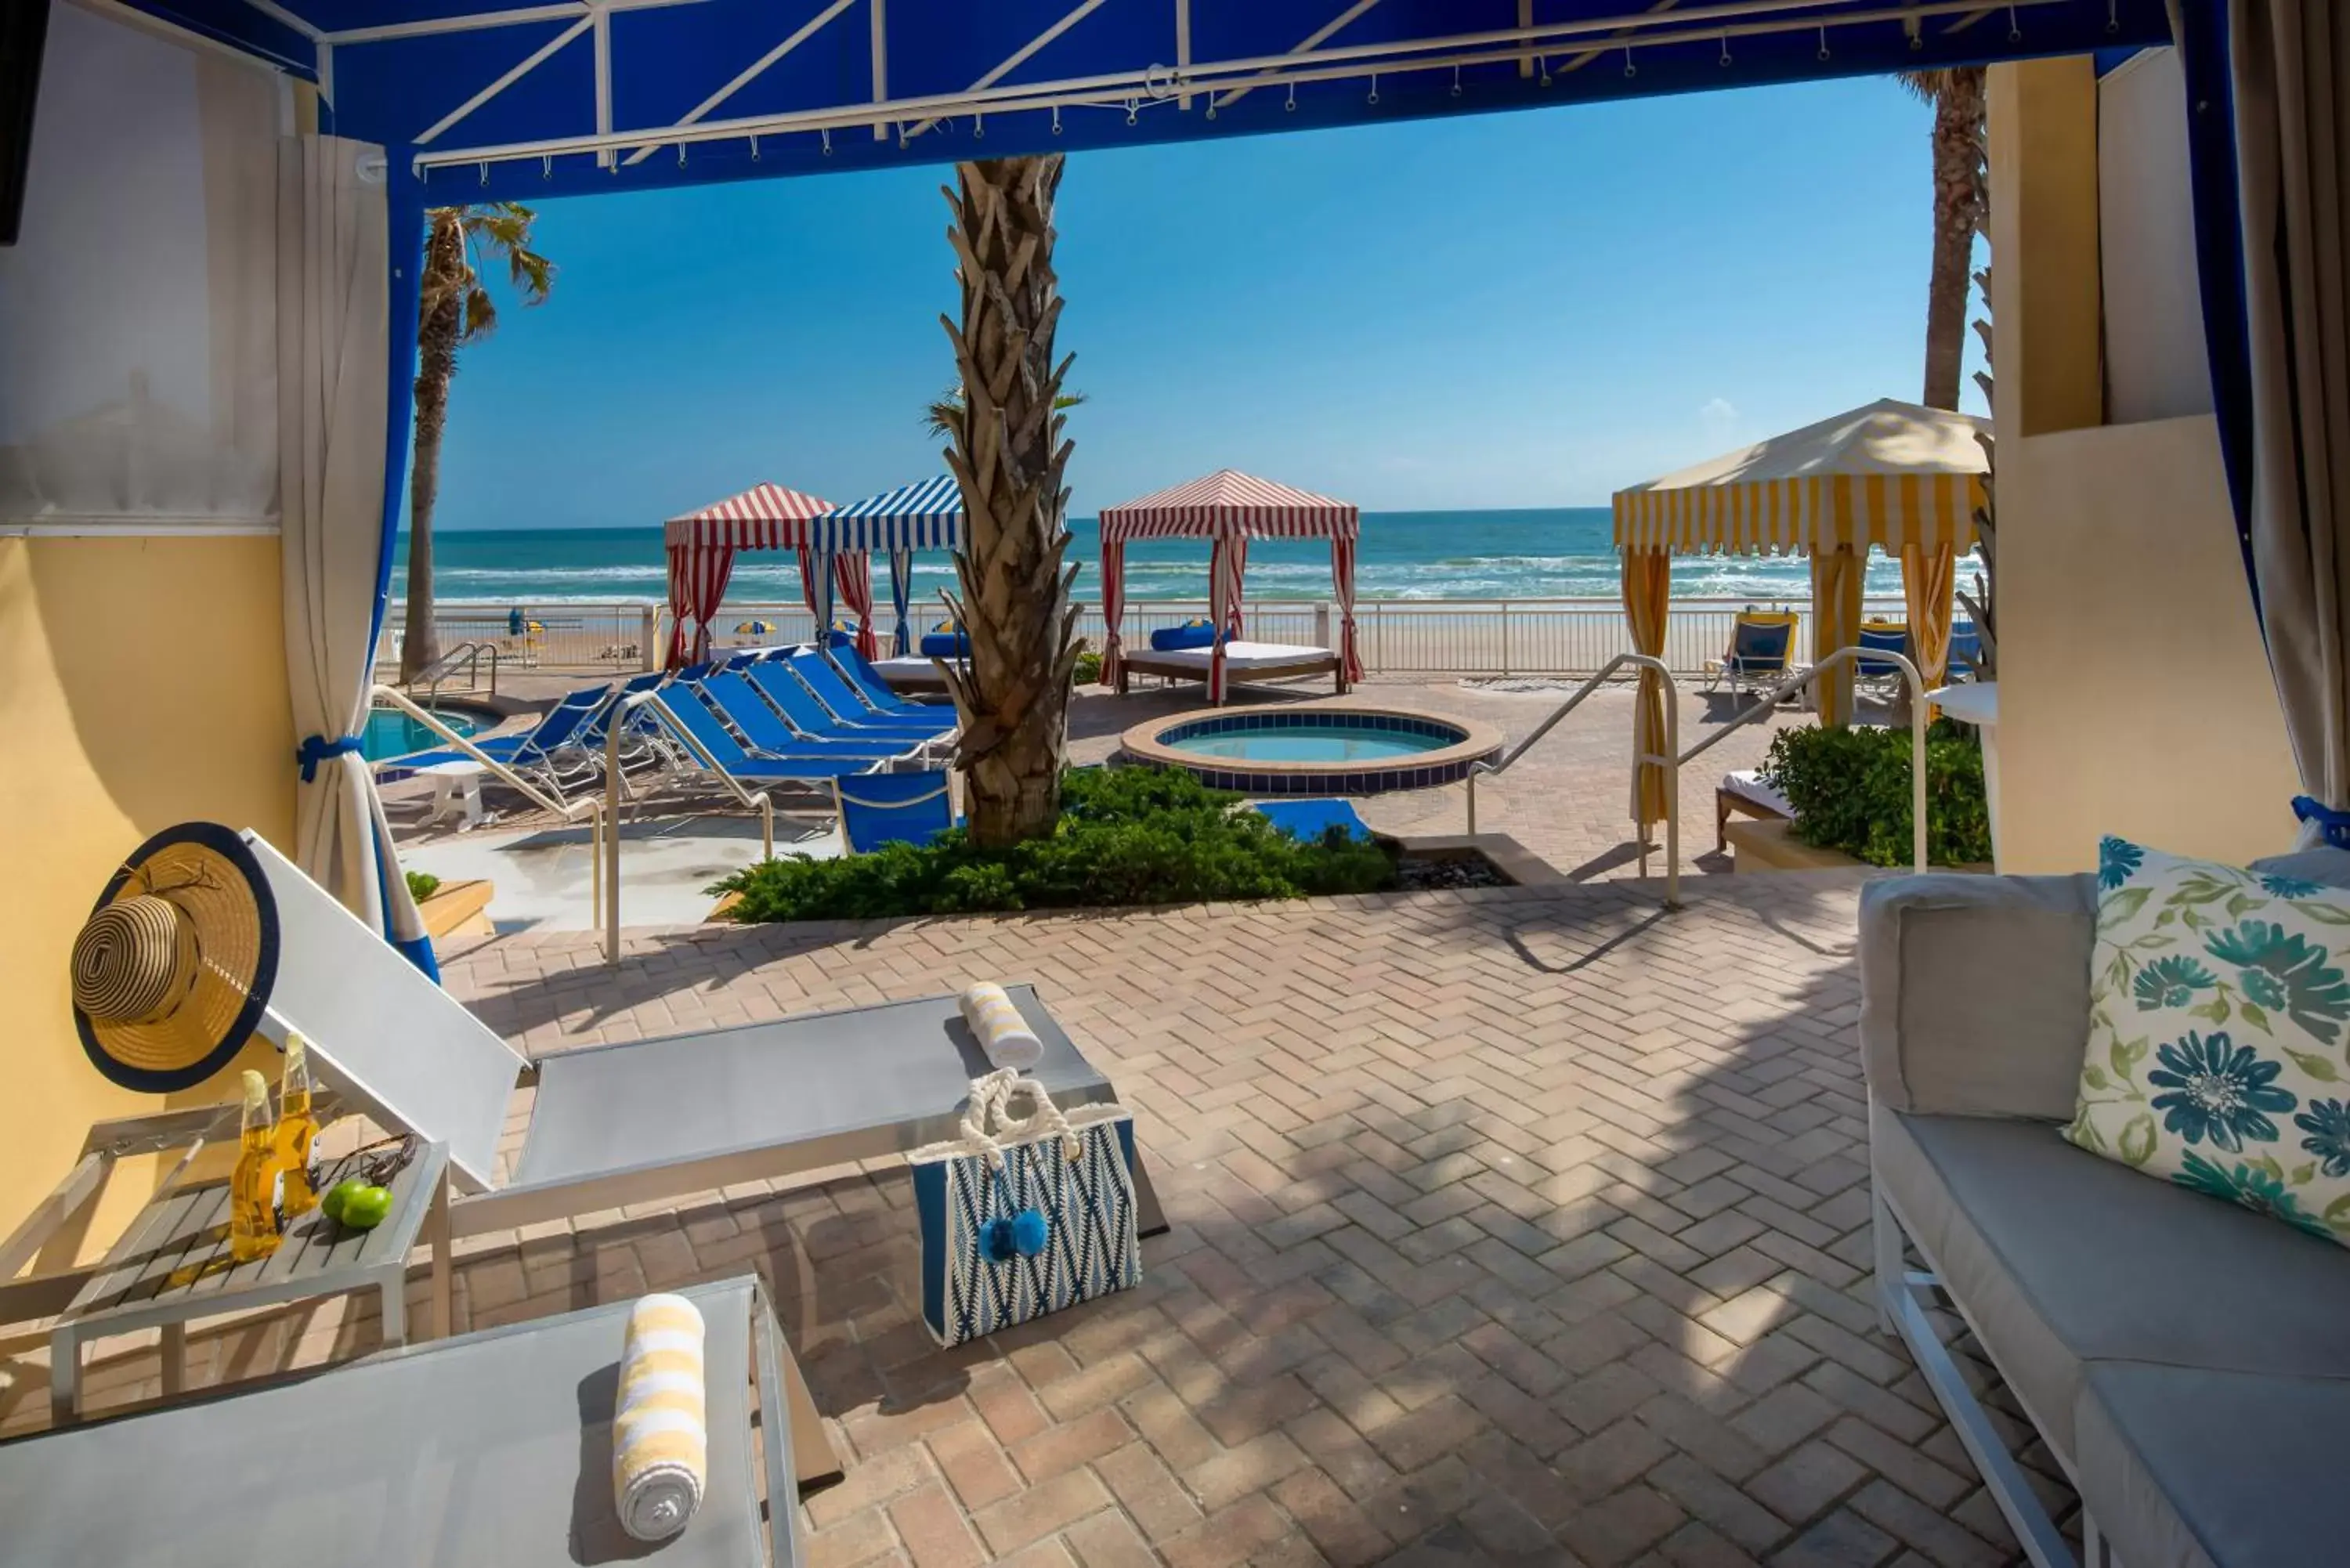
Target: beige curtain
x,y
2290,60
1647,599
1929,578
1836,623
333,319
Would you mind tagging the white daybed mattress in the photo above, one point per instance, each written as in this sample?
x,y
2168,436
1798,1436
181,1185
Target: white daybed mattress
x,y
1749,785
1237,655
912,667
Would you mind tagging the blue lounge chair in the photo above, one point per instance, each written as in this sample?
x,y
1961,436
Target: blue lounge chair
x,y
641,729
1761,645
1881,676
695,716
557,731
894,808
864,683
773,734
1308,820
1966,651
842,708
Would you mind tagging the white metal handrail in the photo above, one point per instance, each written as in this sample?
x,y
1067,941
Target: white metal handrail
x,y
470,654
1668,759
1798,683
569,810
615,731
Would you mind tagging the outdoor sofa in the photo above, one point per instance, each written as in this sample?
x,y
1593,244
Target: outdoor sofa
x,y
2187,1362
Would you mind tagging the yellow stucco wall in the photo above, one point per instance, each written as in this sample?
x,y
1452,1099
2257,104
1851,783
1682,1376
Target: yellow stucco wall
x,y
2135,695
142,683
2133,692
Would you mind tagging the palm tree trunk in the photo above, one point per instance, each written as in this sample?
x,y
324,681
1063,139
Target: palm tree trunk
x,y
1959,107
436,364
1008,457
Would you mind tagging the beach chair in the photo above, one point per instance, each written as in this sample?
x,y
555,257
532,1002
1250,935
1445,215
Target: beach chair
x,y
642,739
773,734
492,1450
841,675
842,706
684,705
1880,677
535,750
790,697
605,1126
1966,652
894,808
1761,645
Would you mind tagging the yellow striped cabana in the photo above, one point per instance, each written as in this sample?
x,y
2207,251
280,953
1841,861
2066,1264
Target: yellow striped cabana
x,y
1897,477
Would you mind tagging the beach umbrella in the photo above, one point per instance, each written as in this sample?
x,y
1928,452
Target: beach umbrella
x,y
757,627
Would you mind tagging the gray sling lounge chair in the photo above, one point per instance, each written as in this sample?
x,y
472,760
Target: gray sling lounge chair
x,y
492,1451
638,1121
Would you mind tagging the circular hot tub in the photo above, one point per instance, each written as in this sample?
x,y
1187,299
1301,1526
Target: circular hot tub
x,y
1314,748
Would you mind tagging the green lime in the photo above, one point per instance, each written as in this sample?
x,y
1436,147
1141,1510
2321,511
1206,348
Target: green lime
x,y
365,1207
338,1195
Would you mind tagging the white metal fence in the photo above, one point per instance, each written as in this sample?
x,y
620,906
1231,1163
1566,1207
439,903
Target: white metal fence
x,y
1400,637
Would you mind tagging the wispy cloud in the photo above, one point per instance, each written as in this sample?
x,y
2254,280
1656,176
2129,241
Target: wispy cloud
x,y
1718,412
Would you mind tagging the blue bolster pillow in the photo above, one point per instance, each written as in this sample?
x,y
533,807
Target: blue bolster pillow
x,y
945,645
1191,634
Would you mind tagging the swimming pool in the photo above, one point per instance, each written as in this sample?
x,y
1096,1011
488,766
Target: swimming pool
x,y
1313,748
392,733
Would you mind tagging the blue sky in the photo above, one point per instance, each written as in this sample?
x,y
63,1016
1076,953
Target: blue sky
x,y
1509,310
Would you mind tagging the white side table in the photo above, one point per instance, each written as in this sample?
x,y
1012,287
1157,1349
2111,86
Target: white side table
x,y
456,792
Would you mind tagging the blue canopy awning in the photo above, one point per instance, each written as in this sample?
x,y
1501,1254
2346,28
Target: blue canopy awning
x,y
481,100
924,516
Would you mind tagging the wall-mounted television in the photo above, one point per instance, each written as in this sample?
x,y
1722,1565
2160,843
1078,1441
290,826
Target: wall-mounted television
x,y
24,29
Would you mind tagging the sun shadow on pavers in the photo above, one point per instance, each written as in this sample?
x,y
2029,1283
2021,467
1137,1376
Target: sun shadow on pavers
x,y
1520,1226
1768,1233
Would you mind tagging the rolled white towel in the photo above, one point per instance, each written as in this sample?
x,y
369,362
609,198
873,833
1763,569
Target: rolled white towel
x,y
660,1421
1002,1032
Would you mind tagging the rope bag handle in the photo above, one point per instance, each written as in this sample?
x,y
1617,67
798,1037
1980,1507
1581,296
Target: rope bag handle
x,y
989,1120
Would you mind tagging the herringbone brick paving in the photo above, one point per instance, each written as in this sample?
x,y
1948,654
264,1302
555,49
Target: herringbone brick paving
x,y
1520,1226
1510,1227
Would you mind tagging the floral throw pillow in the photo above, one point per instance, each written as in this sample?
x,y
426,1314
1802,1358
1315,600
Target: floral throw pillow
x,y
2220,1034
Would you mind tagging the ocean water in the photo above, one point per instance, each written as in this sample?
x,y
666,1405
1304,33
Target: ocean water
x,y
1562,553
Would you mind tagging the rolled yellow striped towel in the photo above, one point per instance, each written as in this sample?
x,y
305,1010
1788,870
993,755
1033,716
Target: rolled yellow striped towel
x,y
660,1430
1002,1032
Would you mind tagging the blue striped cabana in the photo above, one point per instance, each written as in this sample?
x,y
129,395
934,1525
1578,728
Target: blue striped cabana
x,y
924,516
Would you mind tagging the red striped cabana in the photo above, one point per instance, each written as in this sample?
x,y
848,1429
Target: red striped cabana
x,y
702,546
1229,509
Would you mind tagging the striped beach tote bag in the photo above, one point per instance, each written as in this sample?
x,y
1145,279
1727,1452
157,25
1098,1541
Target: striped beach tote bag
x,y
1023,1216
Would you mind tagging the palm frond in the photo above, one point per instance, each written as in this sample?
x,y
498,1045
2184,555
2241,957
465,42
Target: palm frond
x,y
481,314
1926,87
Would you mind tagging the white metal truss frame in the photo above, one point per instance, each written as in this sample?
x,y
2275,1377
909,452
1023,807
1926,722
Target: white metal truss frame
x,y
1529,46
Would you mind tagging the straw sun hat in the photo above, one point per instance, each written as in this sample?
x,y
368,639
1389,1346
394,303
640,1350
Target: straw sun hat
x,y
172,969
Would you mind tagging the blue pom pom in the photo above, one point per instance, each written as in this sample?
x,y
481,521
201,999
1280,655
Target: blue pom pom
x,y
1029,1233
996,1241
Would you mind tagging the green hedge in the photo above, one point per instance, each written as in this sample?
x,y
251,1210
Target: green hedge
x,y
1127,835
1850,789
